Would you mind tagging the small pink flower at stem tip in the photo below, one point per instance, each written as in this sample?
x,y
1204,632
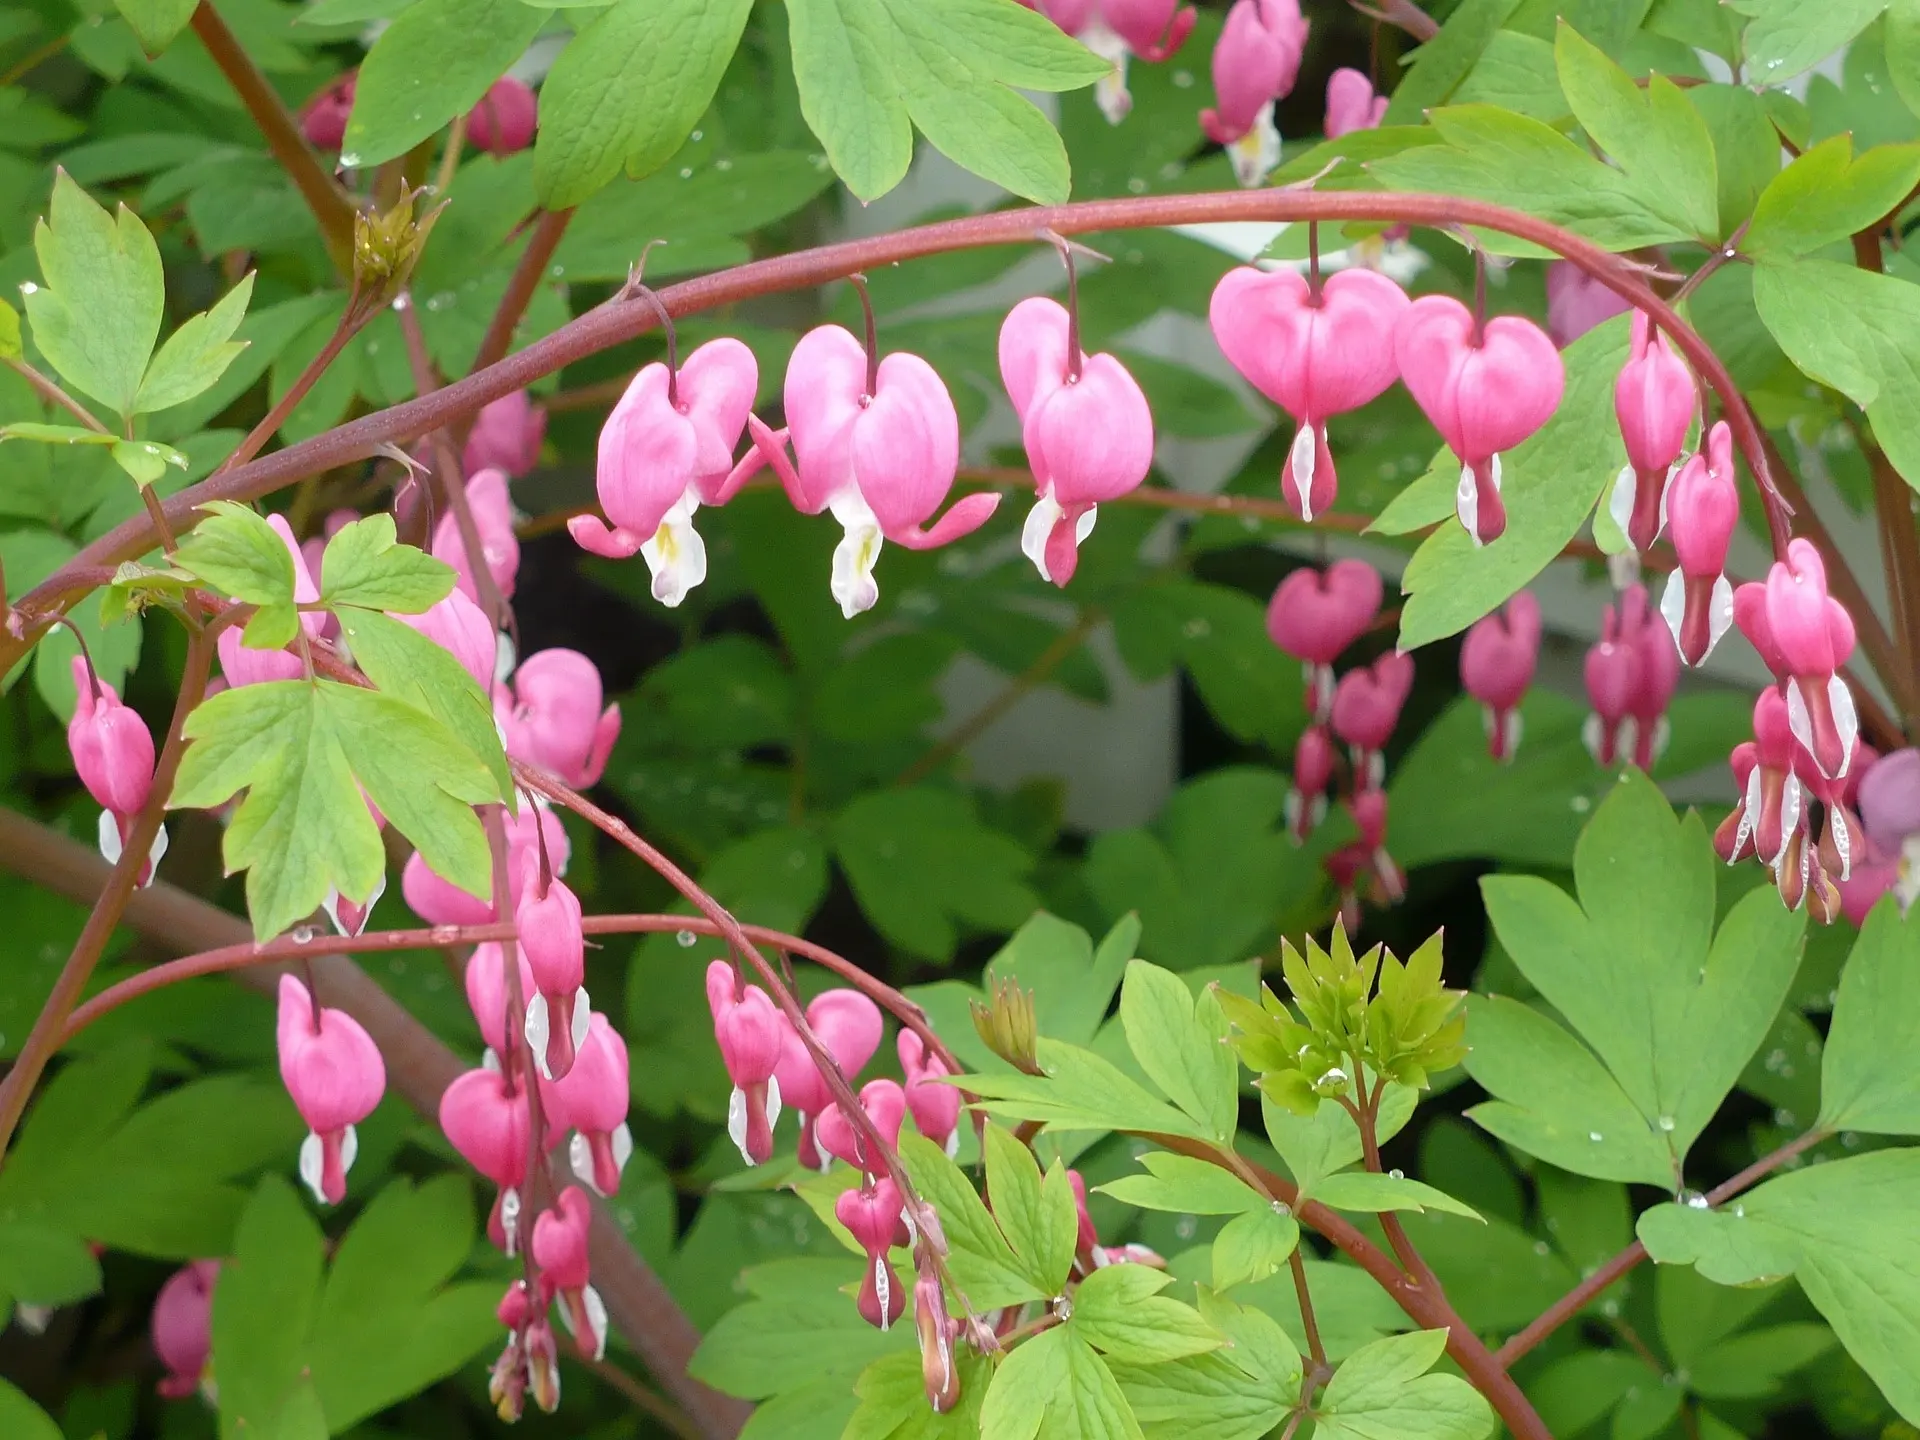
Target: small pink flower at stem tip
x,y
1813,636
1654,400
591,1099
323,119
1772,807
492,506
872,1215
1576,302
1388,884
503,122
1702,509
1314,758
549,712
113,754
1485,388
1255,62
885,1105
336,1077
1315,355
666,450
1497,662
1631,673
508,1381
1085,424
1314,615
484,1116
880,460
560,1250
243,665
548,918
935,1107
1351,103
182,1327
1366,707
746,1024
848,1025
461,628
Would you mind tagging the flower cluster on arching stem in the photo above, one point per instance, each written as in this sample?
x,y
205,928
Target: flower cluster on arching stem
x,y
1343,1011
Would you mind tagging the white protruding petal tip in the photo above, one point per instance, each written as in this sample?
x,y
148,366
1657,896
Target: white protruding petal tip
x,y
737,1122
582,1013
535,1028
312,1158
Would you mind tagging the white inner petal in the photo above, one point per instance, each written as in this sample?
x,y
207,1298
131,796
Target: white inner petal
x,y
1255,153
582,1013
1719,612
1110,91
1840,701
596,1309
676,555
1302,457
1620,502
535,1027
853,585
1466,503
1041,519
311,1161
737,1121
580,1160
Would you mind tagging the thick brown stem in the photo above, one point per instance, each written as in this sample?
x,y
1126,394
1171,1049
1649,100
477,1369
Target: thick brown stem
x,y
329,203
49,1025
419,1067
623,319
527,274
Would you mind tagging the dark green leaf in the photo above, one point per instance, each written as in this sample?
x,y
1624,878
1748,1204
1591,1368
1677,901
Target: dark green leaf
x,y
1866,1080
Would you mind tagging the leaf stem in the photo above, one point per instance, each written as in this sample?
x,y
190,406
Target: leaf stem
x,y
49,389
349,326
526,277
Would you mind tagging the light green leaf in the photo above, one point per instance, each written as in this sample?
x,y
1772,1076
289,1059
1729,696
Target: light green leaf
x,y
981,1262
9,332
407,665
1037,1217
272,627
156,22
1444,61
1785,37
1239,1392
628,90
893,1400
197,354
21,1419
1827,194
1315,1146
146,460
1655,136
1867,1078
1055,1387
1515,72
238,553
1180,1044
1671,1008
1119,1309
1902,36
364,566
1185,1185
1079,1091
1844,1230
1550,484
844,57
98,314
434,62
1382,1392
1367,1191
56,434
1251,1247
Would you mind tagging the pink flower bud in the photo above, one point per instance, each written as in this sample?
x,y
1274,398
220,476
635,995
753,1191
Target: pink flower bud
x,y
1314,356
461,628
492,509
1366,707
1351,103
1702,508
885,1105
1152,29
848,1025
334,1073
1255,63
748,1028
1086,1237
1369,810
1496,667
1889,798
487,997
1088,435
872,1215
182,1327
502,123
1612,673
591,1099
484,1117
245,666
935,1107
560,1250
1313,762
938,1374
112,747
1654,400
666,450
438,901
323,120
1316,614
548,919
1631,675
882,463
1814,637
1485,388
1576,302
506,436
551,716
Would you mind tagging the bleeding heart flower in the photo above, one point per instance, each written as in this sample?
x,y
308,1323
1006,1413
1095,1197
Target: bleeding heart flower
x,y
549,714
323,119
1496,667
334,1073
1366,707
547,916
1813,636
1485,388
182,1327
935,1107
1576,302
1117,30
878,447
492,507
1702,508
503,122
885,1105
1313,355
1255,63
484,1116
1315,615
506,436
1654,400
560,1250
1086,427
848,1025
1631,674
872,1215
461,628
1351,103
666,450
591,1099
113,755
747,1026
1313,762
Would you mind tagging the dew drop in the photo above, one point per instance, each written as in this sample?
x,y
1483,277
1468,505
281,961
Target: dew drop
x,y
1136,186
1739,1212
1396,1175
687,939
1595,1136
1282,1209
686,172
1540,1247
1693,1200
303,935
1665,1122
349,161
698,135
400,302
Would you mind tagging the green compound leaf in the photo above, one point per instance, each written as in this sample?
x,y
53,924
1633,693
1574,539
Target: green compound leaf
x,y
1867,1078
98,314
197,354
364,566
1239,1392
1055,1387
1382,1392
407,665
1035,1214
1844,1230
893,1399
981,1262
1251,1247
1180,1044
1828,194
1185,1185
1785,37
1079,1091
240,554
1369,1192
156,22
1119,1310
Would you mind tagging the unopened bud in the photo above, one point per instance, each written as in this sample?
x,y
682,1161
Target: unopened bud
x,y
543,1365
1005,1022
937,1371
386,247
507,1382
